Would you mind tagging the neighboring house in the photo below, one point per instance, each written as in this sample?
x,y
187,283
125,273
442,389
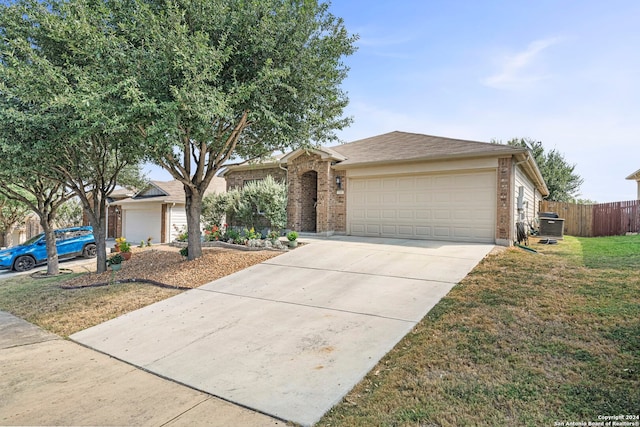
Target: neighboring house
x,y
157,211
114,214
22,231
636,177
406,185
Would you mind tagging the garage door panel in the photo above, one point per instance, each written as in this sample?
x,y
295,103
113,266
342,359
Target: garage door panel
x,y
458,207
406,214
373,184
373,229
389,230
405,198
372,214
423,232
390,185
389,198
357,229
423,197
405,231
441,232
388,214
441,196
441,214
422,214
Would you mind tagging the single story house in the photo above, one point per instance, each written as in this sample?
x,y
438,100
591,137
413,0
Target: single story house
x,y
157,211
408,186
636,177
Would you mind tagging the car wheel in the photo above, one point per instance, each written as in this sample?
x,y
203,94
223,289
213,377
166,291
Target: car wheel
x,y
89,251
24,263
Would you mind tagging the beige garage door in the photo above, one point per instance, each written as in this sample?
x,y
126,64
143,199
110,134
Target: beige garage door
x,y
456,207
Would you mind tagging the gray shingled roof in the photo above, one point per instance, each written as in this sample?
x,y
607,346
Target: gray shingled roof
x,y
403,146
170,192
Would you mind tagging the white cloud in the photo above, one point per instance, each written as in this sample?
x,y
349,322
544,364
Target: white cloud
x,y
519,70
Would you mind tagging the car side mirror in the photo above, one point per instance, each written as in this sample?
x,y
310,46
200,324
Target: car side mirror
x,y
42,243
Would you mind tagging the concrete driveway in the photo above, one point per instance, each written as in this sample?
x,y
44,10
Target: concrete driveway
x,y
291,336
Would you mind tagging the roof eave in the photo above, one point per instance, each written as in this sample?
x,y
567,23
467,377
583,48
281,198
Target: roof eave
x,y
245,167
531,169
634,176
340,166
324,153
156,199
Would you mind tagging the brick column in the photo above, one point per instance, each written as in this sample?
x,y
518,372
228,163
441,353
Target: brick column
x,y
504,213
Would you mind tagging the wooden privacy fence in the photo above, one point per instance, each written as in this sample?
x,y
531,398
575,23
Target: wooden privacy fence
x,y
603,219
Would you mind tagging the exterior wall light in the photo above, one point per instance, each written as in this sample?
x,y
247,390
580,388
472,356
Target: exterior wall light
x,y
338,183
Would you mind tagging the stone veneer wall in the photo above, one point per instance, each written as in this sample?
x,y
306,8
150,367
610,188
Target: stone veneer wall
x,y
504,220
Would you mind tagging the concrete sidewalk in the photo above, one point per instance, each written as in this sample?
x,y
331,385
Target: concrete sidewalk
x,y
291,336
45,380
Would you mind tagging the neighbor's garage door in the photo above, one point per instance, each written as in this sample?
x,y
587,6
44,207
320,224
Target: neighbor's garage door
x,y
456,207
141,224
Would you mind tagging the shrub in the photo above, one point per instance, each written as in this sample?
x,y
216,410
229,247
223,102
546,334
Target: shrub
x,y
115,259
292,235
251,234
233,234
216,208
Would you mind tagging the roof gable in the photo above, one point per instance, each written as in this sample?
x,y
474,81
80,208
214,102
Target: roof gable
x,y
169,192
153,189
325,153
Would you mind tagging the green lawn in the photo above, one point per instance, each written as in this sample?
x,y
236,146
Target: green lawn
x,y
525,339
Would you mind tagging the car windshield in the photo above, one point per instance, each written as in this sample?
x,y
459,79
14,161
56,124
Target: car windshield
x,y
32,240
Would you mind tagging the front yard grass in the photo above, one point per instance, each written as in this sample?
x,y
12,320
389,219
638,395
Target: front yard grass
x,y
524,339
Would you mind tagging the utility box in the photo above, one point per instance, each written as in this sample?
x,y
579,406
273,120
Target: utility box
x,y
551,225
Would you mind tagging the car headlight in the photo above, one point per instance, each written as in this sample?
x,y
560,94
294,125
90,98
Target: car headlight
x,y
6,255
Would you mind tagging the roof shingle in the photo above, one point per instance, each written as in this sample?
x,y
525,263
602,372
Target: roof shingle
x,y
403,146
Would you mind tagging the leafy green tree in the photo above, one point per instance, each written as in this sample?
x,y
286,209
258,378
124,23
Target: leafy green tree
x,y
69,214
67,109
224,79
559,175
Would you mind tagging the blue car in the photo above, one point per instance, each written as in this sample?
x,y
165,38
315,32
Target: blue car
x,y
71,242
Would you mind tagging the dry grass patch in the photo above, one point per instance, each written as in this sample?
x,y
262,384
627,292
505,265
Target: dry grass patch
x,y
47,304
525,339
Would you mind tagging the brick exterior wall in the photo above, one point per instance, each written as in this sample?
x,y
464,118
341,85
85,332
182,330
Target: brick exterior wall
x,y
505,184
339,203
236,179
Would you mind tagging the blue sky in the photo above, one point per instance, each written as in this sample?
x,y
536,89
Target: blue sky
x,y
566,73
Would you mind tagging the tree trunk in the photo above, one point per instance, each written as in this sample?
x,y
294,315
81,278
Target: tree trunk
x,y
99,224
193,209
97,219
53,267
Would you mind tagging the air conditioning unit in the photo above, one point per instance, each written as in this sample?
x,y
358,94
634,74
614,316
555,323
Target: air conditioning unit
x,y
551,225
